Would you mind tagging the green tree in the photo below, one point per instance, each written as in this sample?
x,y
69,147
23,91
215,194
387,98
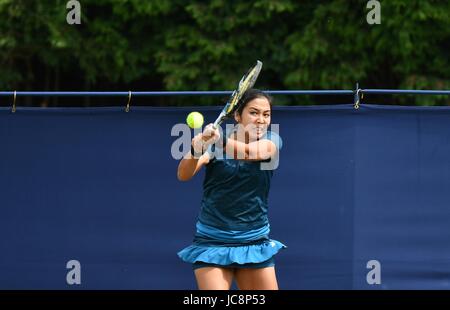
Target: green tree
x,y
208,45
407,50
114,45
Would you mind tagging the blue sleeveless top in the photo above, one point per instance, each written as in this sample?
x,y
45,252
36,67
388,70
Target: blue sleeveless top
x,y
235,192
232,226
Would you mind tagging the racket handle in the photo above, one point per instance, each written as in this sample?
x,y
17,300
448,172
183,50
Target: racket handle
x,y
219,120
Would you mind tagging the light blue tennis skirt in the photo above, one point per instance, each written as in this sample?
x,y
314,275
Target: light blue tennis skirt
x,y
234,249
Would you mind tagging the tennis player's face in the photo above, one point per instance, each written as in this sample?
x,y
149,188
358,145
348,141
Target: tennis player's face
x,y
255,118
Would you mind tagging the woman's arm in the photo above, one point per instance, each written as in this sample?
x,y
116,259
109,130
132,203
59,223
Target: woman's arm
x,y
189,166
253,151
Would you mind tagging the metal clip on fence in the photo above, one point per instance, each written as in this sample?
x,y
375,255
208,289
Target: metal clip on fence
x,y
127,108
358,96
13,109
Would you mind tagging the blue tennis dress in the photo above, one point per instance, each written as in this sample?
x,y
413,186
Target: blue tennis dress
x,y
232,226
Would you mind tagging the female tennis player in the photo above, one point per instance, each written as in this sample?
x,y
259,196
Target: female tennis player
x,y
232,237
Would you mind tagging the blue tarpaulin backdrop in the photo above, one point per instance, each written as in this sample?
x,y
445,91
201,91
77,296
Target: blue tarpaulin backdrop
x,y
99,186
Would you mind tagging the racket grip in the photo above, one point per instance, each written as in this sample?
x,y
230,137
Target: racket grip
x,y
218,121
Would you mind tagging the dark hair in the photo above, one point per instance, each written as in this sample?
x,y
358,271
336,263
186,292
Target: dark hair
x,y
251,94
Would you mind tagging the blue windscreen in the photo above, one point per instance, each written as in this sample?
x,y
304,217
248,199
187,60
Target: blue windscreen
x,y
361,198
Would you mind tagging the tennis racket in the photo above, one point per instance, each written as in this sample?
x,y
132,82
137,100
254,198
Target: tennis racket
x,y
247,81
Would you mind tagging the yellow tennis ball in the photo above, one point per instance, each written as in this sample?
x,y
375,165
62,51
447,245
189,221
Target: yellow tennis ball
x,y
194,120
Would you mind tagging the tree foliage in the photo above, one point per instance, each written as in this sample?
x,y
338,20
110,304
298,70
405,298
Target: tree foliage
x,y
207,45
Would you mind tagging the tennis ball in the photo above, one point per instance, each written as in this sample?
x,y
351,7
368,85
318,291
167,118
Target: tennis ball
x,y
194,120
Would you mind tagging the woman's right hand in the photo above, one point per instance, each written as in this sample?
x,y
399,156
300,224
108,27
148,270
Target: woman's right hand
x,y
198,143
202,140
210,134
